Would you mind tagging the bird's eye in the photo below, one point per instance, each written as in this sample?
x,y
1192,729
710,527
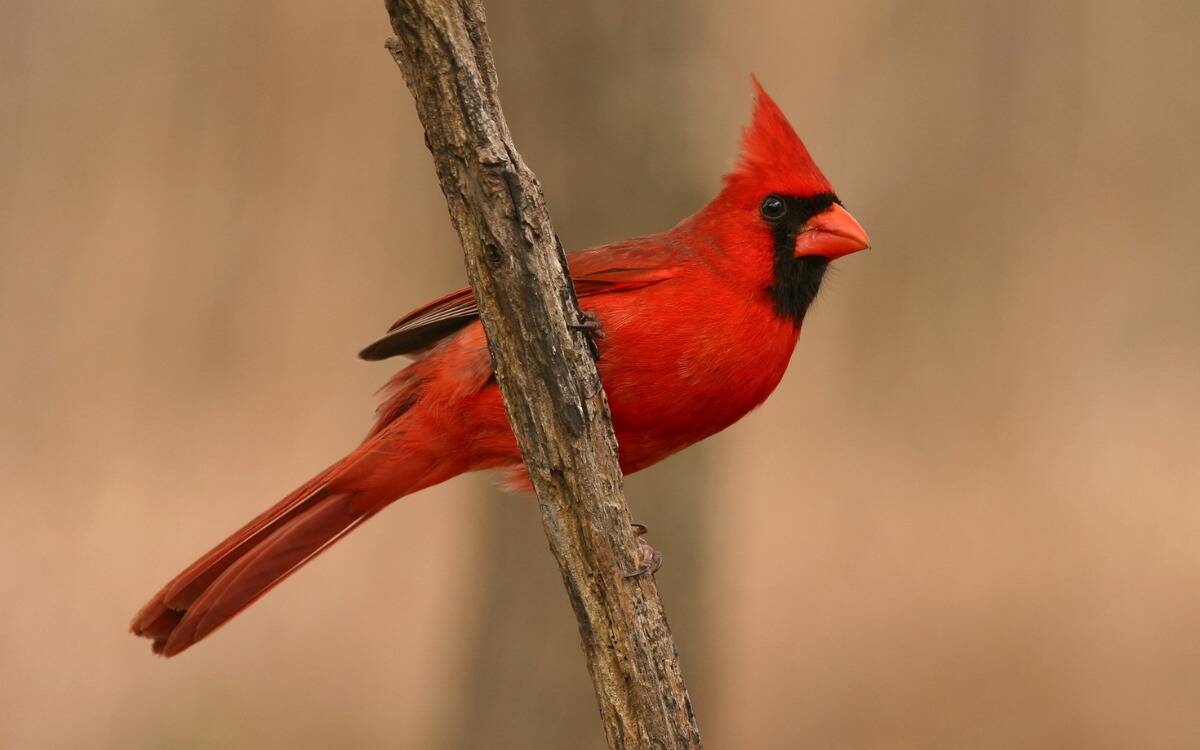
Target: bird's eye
x,y
772,208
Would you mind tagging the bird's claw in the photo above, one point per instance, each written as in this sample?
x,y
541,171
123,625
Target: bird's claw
x,y
651,558
589,324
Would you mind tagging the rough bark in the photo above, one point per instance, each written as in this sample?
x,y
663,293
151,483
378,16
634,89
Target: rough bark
x,y
546,373
638,169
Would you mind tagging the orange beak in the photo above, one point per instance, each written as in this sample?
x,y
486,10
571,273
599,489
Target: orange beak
x,y
832,234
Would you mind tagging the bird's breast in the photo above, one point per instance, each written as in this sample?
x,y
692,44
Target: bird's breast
x,y
680,364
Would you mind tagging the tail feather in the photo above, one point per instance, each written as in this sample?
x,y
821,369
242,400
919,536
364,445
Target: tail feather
x,y
398,457
249,563
264,567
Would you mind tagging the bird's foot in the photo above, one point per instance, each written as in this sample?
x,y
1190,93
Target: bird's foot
x,y
651,558
590,324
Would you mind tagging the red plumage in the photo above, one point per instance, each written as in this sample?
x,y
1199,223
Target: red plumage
x,y
699,324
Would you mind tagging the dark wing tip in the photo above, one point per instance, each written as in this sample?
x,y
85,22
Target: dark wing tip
x,y
377,351
410,340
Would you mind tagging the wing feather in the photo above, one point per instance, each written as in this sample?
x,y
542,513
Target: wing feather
x,y
426,326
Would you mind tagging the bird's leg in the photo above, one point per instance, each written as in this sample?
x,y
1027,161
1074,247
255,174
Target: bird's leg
x,y
651,558
589,324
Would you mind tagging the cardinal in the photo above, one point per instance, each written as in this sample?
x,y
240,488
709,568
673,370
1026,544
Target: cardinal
x,y
698,325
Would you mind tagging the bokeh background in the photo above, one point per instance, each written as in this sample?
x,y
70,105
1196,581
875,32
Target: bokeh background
x,y
968,517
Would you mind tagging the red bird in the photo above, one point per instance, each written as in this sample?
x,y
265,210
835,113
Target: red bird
x,y
699,324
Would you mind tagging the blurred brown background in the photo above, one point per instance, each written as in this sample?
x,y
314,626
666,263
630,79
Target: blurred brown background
x,y
968,518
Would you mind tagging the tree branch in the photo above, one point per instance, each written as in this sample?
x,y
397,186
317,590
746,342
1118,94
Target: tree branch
x,y
546,373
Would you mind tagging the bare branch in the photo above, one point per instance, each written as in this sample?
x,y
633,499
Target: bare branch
x,y
546,372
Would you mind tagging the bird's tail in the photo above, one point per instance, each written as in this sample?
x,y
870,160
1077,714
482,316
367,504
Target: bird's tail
x,y
252,561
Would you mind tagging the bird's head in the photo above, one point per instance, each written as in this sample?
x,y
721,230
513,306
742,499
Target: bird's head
x,y
778,209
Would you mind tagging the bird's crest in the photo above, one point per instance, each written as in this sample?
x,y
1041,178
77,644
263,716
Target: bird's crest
x,y
773,157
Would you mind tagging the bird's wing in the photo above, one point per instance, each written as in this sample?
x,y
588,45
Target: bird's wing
x,y
602,271
425,326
